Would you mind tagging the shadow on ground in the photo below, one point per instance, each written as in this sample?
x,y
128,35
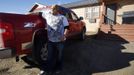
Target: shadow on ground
x,y
93,56
31,64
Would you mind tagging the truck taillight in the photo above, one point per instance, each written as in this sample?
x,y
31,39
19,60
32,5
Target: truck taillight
x,y
6,31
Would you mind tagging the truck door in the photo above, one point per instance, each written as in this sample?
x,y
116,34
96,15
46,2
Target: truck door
x,y
77,24
74,27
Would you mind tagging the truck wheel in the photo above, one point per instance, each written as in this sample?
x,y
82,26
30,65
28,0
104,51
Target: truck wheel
x,y
40,50
44,52
82,34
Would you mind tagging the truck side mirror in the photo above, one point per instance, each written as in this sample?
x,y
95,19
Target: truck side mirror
x,y
80,18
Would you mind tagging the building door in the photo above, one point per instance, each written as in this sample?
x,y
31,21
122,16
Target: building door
x,y
110,17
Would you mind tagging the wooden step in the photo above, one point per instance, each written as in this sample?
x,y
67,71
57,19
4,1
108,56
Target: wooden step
x,y
117,32
116,37
118,26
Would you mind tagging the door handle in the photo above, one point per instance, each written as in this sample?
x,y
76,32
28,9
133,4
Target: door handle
x,y
29,25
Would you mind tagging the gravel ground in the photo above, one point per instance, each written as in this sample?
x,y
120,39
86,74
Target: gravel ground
x,y
89,57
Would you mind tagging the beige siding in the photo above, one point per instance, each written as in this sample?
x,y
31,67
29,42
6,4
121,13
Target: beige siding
x,y
92,28
124,6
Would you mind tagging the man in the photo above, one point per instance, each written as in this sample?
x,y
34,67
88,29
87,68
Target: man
x,y
57,26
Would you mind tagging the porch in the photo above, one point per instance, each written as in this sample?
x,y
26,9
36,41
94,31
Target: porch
x,y
117,20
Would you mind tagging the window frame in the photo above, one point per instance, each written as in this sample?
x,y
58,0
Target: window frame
x,y
90,9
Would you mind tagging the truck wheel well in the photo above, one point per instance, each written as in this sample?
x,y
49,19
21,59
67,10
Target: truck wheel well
x,y
39,34
84,28
39,38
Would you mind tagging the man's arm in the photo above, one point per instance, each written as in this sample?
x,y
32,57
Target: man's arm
x,y
66,27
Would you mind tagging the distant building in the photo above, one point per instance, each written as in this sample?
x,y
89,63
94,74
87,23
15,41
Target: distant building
x,y
112,19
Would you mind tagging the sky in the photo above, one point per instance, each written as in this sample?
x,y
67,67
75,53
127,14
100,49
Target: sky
x,y
23,6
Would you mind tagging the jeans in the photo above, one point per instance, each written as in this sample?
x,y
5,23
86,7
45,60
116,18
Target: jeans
x,y
55,56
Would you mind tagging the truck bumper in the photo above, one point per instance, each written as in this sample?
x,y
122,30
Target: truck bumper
x,y
5,53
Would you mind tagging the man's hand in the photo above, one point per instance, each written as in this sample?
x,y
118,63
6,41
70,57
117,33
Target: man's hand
x,y
65,35
63,38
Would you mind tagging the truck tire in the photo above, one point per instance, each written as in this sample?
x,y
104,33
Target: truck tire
x,y
40,49
82,34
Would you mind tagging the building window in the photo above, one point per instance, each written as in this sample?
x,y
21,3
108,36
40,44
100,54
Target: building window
x,y
92,12
128,17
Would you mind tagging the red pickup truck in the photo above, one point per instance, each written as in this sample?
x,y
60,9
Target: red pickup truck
x,y
26,34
